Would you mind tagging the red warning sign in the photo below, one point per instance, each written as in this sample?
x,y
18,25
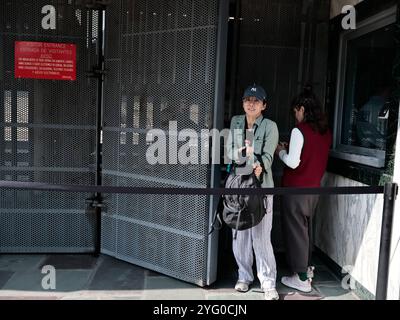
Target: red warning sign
x,y
45,60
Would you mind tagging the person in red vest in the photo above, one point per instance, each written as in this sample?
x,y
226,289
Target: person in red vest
x,y
305,158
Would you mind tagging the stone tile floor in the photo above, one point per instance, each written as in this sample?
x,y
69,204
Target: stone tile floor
x,y
85,277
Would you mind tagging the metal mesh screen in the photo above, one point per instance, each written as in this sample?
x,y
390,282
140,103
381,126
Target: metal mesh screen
x,y
281,45
269,52
161,59
47,132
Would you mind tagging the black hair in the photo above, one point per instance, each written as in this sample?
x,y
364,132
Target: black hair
x,y
313,114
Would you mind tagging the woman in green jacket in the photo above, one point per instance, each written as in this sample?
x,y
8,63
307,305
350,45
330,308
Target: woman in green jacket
x,y
258,238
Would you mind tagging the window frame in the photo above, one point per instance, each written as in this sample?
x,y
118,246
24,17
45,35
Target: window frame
x,y
367,156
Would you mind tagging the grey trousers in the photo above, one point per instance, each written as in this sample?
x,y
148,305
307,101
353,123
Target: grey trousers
x,y
297,212
257,238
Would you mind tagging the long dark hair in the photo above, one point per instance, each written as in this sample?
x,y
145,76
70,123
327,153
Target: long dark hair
x,y
313,114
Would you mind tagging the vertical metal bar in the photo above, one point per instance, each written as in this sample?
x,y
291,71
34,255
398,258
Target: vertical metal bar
x,y
98,179
390,193
234,48
222,38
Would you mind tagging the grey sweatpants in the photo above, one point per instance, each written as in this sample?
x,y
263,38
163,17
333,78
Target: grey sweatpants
x,y
259,239
297,212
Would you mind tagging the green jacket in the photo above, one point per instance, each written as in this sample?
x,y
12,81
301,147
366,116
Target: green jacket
x,y
265,142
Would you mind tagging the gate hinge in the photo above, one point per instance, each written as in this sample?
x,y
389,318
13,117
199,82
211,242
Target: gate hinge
x,y
96,73
95,202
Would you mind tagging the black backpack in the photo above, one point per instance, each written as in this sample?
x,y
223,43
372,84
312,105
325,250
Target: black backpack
x,y
241,212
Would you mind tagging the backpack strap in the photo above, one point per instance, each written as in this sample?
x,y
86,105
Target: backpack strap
x,y
259,159
217,217
237,225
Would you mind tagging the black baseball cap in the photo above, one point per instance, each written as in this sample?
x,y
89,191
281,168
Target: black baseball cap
x,y
255,91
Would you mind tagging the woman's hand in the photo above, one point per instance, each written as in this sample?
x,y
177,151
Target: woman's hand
x,y
249,149
257,169
281,146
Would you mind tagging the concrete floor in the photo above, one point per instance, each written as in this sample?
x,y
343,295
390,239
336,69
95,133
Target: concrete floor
x,y
85,277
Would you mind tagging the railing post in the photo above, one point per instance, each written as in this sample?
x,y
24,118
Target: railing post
x,y
94,207
389,194
98,226
100,72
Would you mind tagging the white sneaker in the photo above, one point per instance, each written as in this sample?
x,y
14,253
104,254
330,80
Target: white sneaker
x,y
242,286
295,283
271,294
310,272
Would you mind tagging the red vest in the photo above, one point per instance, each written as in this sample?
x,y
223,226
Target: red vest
x,y
313,159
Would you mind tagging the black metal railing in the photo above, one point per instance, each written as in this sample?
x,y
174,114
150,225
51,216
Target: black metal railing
x,y
389,191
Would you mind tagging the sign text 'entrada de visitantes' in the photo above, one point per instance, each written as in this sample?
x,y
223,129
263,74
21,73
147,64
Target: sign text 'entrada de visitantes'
x,y
45,60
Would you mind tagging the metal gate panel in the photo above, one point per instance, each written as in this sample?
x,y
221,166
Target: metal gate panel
x,y
47,132
161,62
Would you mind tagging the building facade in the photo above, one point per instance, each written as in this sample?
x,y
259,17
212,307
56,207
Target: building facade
x,y
132,66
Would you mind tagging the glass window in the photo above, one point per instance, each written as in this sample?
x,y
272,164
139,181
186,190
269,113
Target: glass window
x,y
365,91
368,89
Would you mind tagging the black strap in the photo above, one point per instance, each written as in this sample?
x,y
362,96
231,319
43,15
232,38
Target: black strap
x,y
217,217
237,225
19,185
259,159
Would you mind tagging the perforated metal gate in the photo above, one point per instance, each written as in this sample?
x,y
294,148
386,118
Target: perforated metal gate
x,y
47,132
162,61
161,58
